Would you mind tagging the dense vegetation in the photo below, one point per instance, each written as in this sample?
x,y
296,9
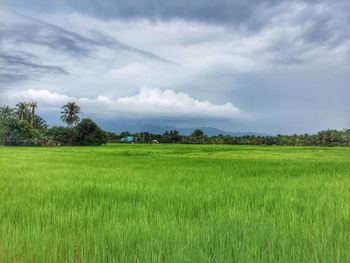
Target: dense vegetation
x,y
174,203
323,138
22,126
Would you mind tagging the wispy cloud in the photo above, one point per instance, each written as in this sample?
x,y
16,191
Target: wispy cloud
x,y
20,67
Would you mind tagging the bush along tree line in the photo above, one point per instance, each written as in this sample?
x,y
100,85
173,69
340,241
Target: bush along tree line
x,y
22,126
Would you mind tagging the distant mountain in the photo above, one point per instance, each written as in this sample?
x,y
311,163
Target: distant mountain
x,y
210,131
135,128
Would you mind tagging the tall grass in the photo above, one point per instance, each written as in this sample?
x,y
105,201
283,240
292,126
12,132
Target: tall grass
x,y
175,203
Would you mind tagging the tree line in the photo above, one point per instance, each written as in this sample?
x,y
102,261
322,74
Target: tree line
x,y
22,126
322,138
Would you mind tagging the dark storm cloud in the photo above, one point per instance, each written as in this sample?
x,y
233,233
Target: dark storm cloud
x,y
204,10
38,32
9,78
17,62
324,31
33,31
18,67
321,27
325,24
220,11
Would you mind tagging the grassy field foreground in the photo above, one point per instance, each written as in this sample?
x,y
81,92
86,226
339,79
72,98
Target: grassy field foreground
x,y
174,203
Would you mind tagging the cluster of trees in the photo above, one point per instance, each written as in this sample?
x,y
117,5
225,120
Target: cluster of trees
x,y
22,126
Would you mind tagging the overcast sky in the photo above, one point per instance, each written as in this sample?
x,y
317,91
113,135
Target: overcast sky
x,y
256,65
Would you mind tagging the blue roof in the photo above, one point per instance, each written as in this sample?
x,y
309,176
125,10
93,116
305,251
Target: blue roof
x,y
127,139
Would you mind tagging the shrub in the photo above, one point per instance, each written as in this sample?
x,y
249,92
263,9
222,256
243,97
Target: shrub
x,y
63,135
90,134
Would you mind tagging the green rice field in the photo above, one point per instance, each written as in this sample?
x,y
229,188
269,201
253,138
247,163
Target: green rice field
x,y
174,203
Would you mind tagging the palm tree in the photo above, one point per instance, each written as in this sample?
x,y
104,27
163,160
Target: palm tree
x,y
22,111
70,113
39,123
33,105
6,112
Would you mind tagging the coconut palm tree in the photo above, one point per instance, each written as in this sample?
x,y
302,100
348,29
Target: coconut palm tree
x,y
22,111
70,113
6,112
39,123
33,105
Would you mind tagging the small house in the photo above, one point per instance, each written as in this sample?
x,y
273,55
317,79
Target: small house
x,y
128,139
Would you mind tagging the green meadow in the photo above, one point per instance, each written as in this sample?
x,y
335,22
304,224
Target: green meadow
x,y
174,203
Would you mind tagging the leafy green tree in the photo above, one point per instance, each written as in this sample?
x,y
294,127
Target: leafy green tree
x,y
70,113
19,132
217,139
90,134
39,123
14,131
6,116
6,113
33,105
22,111
63,135
171,136
124,134
197,137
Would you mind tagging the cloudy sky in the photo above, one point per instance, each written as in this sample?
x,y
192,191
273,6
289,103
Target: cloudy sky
x,y
255,65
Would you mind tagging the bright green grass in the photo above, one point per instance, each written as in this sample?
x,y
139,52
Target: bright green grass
x,y
175,203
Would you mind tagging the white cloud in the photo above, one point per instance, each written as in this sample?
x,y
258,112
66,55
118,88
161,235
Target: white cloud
x,y
149,102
